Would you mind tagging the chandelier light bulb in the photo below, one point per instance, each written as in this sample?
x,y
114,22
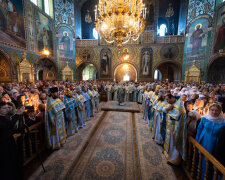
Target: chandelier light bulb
x,y
120,21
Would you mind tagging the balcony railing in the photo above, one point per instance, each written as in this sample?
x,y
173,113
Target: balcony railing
x,y
146,38
193,165
170,39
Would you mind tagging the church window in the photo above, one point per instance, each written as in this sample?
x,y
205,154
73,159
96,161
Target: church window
x,y
47,7
162,30
95,33
48,4
34,1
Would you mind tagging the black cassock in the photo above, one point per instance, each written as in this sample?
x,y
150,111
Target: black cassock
x,y
10,163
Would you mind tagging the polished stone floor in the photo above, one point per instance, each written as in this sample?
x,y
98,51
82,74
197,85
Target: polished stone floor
x,y
113,145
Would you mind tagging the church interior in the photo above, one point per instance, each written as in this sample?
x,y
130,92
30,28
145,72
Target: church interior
x,y
125,62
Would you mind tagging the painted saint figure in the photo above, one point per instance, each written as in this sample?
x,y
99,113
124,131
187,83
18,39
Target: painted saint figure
x,y
220,40
66,43
146,60
105,64
196,38
45,38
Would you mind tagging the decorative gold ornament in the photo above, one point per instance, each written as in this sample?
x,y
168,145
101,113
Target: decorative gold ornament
x,y
193,74
120,20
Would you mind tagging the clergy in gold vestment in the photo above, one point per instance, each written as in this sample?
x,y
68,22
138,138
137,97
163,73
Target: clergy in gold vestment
x,y
175,138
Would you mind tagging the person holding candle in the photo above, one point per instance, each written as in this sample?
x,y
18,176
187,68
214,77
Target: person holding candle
x,y
208,130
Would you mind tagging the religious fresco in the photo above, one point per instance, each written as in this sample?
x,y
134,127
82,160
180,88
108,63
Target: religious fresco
x,y
12,30
31,29
146,60
200,7
105,63
65,44
219,44
196,41
64,12
44,33
150,5
169,52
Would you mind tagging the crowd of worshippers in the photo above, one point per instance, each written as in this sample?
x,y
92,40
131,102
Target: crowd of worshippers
x,y
172,110
64,107
174,114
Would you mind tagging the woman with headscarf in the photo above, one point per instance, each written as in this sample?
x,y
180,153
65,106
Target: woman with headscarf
x,y
208,130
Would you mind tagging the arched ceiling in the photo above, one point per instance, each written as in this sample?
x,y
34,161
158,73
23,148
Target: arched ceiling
x,y
81,2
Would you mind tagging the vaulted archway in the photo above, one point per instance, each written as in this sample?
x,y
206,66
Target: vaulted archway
x,y
125,72
216,70
45,69
87,71
7,68
168,70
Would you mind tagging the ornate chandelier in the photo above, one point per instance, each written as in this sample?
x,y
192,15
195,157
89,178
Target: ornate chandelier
x,y
120,20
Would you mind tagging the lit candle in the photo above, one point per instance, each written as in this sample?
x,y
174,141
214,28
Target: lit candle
x,y
135,5
95,12
123,5
117,5
130,4
104,7
110,5
145,12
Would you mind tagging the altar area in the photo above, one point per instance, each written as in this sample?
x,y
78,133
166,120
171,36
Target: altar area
x,y
127,107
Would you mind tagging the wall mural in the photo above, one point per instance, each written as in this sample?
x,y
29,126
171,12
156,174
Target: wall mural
x,y
64,12
44,33
196,42
150,4
5,74
12,30
200,7
146,63
105,63
219,31
65,42
169,52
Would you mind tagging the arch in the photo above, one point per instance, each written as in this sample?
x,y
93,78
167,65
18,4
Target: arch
x,y
206,16
82,66
12,71
216,69
45,57
48,66
65,25
124,63
173,68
